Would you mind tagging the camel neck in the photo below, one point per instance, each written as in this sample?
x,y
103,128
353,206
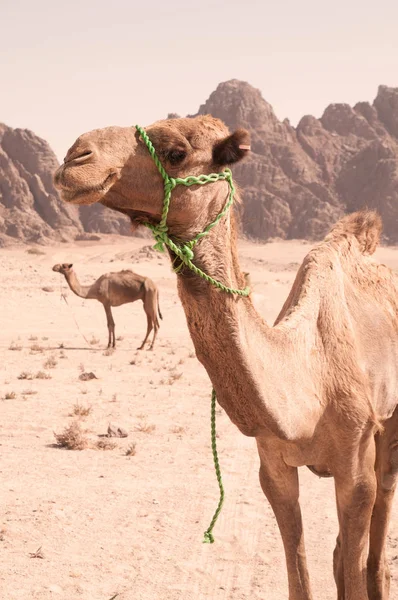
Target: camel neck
x,y
80,290
225,329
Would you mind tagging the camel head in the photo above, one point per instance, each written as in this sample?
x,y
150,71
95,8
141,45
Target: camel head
x,y
113,166
64,269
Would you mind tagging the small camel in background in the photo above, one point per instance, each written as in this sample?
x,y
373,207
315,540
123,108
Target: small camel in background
x,y
115,289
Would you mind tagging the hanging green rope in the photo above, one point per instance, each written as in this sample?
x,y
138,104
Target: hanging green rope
x,y
184,251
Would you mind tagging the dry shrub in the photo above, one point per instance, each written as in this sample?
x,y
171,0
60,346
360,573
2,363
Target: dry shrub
x,y
36,348
33,338
105,444
72,437
15,346
42,375
37,554
25,375
131,449
174,376
62,354
29,392
178,429
94,340
35,251
145,427
50,363
81,411
10,396
108,351
120,338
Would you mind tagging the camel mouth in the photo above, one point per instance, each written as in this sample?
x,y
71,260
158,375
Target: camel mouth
x,y
87,195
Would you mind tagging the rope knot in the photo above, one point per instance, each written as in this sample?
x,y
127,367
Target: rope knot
x,y
169,185
161,238
208,538
187,251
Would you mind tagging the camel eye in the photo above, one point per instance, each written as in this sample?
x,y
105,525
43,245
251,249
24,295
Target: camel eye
x,y
176,156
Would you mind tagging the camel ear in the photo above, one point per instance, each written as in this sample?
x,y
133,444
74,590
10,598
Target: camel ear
x,y
70,266
232,148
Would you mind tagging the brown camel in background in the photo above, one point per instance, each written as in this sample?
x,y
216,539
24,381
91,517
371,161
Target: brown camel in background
x,y
115,289
320,387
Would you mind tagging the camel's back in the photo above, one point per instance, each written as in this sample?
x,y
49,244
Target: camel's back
x,y
353,304
122,287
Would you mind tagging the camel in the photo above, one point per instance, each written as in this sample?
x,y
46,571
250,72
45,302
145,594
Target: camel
x,y
115,289
320,387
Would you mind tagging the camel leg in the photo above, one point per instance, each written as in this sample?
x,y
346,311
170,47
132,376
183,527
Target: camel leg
x,y
111,326
355,483
155,332
148,331
281,486
386,473
338,565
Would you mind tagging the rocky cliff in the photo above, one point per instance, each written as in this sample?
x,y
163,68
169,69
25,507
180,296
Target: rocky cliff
x,y
30,208
296,183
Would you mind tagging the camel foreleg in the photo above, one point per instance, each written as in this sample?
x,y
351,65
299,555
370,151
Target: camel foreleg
x,y
280,484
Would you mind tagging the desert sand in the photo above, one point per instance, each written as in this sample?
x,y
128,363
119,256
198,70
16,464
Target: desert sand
x,y
99,524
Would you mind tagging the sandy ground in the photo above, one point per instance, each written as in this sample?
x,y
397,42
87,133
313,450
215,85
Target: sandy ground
x,y
131,527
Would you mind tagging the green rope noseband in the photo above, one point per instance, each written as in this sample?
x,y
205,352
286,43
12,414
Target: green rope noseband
x,y
184,251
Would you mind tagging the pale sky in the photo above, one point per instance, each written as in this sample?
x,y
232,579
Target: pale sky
x,y
68,67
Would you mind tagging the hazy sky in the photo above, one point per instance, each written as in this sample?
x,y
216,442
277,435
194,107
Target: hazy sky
x,y
68,67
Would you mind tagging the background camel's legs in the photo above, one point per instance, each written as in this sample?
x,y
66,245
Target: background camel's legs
x,y
355,483
148,330
281,486
386,473
155,332
111,326
151,309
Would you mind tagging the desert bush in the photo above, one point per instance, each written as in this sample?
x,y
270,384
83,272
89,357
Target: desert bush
x,y
72,438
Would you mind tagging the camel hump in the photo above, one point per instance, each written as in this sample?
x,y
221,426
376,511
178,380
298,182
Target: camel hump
x,y
365,225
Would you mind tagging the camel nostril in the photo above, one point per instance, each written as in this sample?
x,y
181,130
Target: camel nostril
x,y
78,157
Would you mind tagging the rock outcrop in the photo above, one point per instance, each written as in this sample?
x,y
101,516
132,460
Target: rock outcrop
x,y
296,182
30,208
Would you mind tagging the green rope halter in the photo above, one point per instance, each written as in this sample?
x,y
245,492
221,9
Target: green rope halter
x,y
184,251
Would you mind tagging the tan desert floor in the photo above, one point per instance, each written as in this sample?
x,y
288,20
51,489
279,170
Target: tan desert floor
x,y
131,527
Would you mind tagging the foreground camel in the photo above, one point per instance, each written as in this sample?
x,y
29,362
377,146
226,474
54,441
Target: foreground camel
x,y
115,289
320,388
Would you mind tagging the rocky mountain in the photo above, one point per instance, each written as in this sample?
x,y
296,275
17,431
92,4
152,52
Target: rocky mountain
x,y
296,182
30,207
